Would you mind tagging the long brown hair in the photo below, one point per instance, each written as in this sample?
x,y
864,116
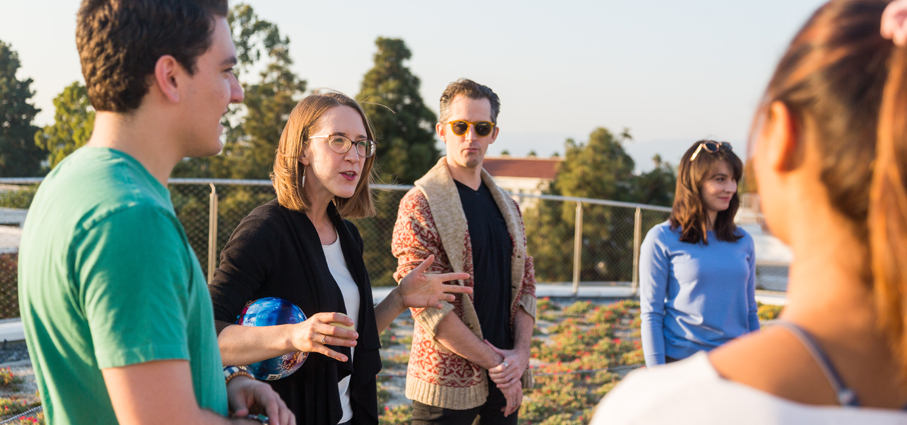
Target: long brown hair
x,y
288,171
847,82
688,213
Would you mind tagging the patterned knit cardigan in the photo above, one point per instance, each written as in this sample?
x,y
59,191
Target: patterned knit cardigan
x,y
431,221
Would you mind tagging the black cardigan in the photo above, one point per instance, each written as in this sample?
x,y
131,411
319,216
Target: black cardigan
x,y
276,252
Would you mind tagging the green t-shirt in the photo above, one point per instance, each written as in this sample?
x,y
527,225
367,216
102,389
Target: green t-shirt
x,y
107,279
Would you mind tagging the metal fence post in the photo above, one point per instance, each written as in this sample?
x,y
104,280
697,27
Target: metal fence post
x,y
637,240
577,247
212,232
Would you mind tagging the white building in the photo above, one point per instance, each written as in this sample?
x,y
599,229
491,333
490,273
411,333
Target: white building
x,y
519,176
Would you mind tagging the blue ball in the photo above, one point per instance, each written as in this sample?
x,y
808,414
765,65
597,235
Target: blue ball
x,y
273,311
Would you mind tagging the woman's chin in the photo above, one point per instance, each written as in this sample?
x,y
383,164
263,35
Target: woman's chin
x,y
345,194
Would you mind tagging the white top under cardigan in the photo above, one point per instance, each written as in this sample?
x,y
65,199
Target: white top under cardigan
x,y
337,265
692,392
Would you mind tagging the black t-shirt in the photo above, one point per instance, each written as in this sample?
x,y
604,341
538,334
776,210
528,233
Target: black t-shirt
x,y
491,257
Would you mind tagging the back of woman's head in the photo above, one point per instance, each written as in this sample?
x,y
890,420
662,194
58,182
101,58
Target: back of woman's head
x,y
845,84
688,213
287,176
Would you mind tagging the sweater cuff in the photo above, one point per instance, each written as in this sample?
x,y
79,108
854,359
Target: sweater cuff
x,y
528,303
527,380
431,317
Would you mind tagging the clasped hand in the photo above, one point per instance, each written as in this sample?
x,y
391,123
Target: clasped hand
x,y
507,376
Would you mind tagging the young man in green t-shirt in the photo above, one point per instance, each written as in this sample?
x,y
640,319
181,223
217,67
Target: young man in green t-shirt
x,y
116,311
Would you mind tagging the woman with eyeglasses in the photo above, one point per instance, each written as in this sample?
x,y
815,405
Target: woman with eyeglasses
x,y
830,159
300,247
697,270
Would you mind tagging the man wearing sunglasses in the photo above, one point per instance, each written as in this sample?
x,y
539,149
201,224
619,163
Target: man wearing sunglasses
x,y
469,360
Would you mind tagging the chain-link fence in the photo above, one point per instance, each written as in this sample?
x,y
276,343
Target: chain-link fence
x,y
601,251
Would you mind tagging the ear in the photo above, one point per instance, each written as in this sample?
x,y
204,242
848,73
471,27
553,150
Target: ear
x,y
303,157
167,73
494,134
782,138
441,129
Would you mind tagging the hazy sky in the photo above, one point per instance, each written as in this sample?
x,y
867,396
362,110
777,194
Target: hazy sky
x,y
672,72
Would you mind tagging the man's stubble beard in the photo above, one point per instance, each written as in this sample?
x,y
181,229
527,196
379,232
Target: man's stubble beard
x,y
474,162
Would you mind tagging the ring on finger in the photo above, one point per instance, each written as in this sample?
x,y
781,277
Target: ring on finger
x,y
323,337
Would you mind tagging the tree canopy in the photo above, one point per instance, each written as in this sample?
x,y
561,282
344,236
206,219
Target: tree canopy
x,y
403,125
19,156
253,128
599,169
73,123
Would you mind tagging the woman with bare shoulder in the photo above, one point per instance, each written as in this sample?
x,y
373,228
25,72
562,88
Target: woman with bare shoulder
x,y
830,159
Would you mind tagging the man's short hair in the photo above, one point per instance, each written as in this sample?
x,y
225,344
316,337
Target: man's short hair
x,y
472,90
120,41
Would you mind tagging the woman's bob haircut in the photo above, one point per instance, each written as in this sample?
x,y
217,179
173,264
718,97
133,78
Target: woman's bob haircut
x,y
288,171
688,213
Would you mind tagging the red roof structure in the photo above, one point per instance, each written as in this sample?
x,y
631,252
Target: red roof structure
x,y
529,167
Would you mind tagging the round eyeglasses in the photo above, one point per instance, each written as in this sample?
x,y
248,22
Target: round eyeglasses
x,y
342,144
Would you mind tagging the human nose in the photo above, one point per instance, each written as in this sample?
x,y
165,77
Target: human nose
x,y
352,155
470,133
236,92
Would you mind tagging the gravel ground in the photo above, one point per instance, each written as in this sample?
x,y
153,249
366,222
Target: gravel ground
x,y
13,351
22,369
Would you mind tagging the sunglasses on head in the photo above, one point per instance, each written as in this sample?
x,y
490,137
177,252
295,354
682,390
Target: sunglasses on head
x,y
710,147
460,127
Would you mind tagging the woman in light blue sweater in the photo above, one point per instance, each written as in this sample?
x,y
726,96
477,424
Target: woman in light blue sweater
x,y
697,270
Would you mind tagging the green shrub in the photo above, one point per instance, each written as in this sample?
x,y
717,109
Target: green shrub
x,y
384,395
37,419
398,360
769,312
20,199
548,317
578,308
545,305
7,378
14,405
405,340
387,338
399,415
603,315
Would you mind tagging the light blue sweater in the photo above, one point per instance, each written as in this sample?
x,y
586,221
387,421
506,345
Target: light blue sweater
x,y
694,297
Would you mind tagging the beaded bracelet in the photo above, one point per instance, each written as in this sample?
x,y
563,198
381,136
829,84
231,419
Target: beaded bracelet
x,y
231,372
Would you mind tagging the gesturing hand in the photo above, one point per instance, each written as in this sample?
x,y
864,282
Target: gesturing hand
x,y
316,333
420,290
509,372
250,396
